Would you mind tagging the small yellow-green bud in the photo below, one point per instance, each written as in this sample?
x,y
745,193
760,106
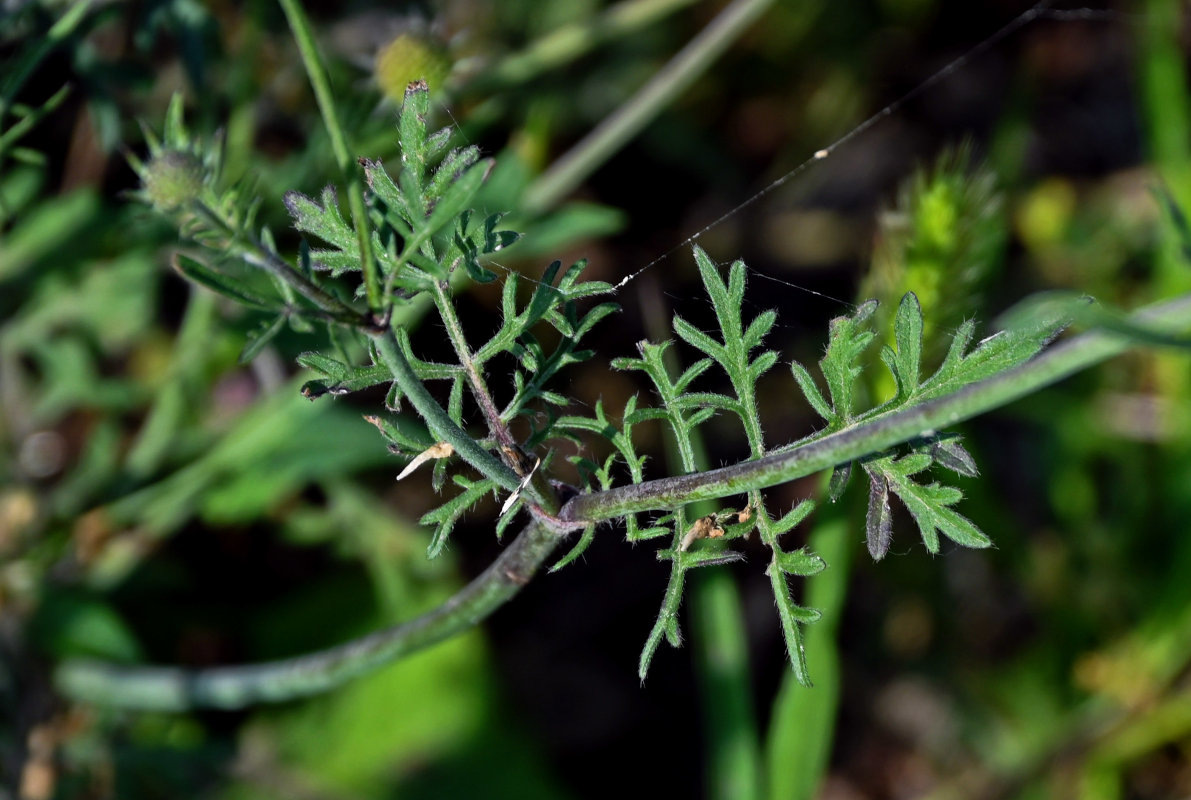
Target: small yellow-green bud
x,y
408,58
173,178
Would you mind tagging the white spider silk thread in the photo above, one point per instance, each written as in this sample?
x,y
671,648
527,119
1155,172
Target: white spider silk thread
x,y
1040,10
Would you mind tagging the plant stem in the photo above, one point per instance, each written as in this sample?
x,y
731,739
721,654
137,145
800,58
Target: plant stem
x,y
300,26
479,389
880,432
623,124
440,423
176,689
165,688
254,251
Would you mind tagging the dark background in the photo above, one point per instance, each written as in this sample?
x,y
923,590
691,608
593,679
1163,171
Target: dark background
x,y
1031,669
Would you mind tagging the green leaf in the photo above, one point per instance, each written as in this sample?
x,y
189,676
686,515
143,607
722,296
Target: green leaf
x,y
219,282
908,333
811,392
340,378
930,507
445,516
949,453
698,339
580,547
878,524
792,616
260,338
758,329
848,340
840,475
801,562
666,624
796,515
325,221
451,168
411,133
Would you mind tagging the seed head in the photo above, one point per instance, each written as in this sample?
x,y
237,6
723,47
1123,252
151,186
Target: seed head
x,y
172,178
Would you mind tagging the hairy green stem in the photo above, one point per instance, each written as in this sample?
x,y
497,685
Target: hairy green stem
x,y
880,432
538,489
228,687
441,424
253,251
479,389
176,689
622,125
300,26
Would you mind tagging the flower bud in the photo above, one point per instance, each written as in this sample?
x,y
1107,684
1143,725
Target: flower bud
x,y
173,178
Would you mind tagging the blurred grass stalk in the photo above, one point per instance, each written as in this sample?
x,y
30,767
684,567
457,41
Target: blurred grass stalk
x,y
569,42
300,26
627,121
718,641
802,727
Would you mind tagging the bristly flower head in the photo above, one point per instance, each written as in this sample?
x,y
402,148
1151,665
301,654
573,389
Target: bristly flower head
x,y
172,178
179,171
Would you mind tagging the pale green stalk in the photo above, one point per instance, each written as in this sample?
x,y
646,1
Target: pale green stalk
x,y
570,42
304,37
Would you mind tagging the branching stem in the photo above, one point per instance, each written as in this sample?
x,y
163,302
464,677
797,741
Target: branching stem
x,y
479,388
878,433
441,424
230,687
256,253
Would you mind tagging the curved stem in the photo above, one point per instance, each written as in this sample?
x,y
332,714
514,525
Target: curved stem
x,y
176,689
877,434
166,688
440,423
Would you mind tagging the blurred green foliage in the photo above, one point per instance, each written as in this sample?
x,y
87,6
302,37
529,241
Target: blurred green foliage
x,y
160,502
